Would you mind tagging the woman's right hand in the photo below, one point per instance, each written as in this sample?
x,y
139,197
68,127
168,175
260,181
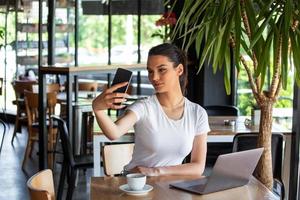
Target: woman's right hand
x,y
108,99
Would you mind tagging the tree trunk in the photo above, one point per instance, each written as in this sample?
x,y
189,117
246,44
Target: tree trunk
x,y
264,169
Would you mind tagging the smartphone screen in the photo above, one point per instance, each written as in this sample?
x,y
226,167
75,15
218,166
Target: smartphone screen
x,y
122,75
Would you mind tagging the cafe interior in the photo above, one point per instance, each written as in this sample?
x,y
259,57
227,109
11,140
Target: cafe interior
x,y
56,56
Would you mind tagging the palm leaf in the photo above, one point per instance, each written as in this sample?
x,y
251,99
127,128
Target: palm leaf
x,y
227,70
258,33
237,35
296,52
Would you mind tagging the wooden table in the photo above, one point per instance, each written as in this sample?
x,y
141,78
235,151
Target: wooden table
x,y
108,188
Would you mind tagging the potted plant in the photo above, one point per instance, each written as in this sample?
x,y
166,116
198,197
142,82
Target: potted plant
x,y
262,36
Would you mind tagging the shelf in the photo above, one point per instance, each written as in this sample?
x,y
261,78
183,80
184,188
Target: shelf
x,y
34,28
22,44
33,60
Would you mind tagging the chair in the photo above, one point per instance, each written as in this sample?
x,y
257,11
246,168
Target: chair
x,y
53,87
4,131
71,163
221,110
115,157
32,108
20,87
246,141
41,186
88,86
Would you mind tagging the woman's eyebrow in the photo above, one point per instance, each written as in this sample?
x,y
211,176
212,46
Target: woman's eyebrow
x,y
161,65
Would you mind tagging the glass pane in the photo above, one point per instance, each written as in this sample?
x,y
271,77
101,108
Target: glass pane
x,y
148,29
93,37
124,39
7,72
282,111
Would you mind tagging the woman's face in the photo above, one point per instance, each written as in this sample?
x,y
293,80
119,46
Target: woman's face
x,y
162,74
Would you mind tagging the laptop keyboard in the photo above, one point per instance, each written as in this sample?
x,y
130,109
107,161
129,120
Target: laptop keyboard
x,y
201,181
197,185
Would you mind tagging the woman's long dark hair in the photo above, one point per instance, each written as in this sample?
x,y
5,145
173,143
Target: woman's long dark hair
x,y
176,56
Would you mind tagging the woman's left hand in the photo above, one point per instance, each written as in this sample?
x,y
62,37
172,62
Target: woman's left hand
x,y
148,171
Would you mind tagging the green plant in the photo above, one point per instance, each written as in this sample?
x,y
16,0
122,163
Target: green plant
x,y
1,36
266,31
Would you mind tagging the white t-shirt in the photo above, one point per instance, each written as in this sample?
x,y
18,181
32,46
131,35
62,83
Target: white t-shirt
x,y
161,141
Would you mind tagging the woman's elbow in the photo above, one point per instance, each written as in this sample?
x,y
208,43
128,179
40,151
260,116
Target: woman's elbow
x,y
112,137
199,169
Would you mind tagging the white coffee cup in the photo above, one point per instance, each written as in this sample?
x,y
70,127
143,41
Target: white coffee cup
x,y
136,181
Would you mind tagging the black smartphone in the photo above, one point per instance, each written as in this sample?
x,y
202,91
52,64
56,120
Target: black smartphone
x,y
122,75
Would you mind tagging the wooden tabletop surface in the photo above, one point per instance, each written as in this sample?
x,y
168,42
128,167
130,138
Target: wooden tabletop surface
x,y
99,68
108,188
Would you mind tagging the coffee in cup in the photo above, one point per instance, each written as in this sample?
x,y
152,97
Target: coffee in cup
x,y
136,181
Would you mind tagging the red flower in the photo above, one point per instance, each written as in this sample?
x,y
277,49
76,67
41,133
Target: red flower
x,y
168,18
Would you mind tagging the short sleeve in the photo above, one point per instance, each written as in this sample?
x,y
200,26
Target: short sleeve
x,y
138,108
202,122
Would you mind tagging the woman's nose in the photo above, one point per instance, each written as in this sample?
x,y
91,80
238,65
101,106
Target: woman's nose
x,y
154,76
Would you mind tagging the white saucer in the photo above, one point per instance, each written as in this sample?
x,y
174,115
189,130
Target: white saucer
x,y
125,188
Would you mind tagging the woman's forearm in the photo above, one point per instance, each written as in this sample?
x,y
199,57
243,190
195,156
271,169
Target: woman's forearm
x,y
114,130
183,169
193,169
108,127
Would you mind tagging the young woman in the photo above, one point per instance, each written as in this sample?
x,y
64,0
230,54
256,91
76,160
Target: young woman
x,y
167,125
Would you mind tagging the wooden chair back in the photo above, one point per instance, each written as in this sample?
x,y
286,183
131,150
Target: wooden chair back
x,y
115,157
32,105
41,186
21,86
88,86
53,87
222,110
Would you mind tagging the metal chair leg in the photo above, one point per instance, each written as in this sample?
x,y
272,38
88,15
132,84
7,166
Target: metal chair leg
x,y
4,131
17,124
71,184
62,181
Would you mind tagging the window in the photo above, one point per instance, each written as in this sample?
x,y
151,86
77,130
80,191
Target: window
x,y
283,108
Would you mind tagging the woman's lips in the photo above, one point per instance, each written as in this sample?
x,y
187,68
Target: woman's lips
x,y
156,85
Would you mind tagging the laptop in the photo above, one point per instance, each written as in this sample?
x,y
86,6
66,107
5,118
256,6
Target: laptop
x,y
230,171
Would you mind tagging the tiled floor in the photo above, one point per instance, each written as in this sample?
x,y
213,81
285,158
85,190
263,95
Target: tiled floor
x,y
13,179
